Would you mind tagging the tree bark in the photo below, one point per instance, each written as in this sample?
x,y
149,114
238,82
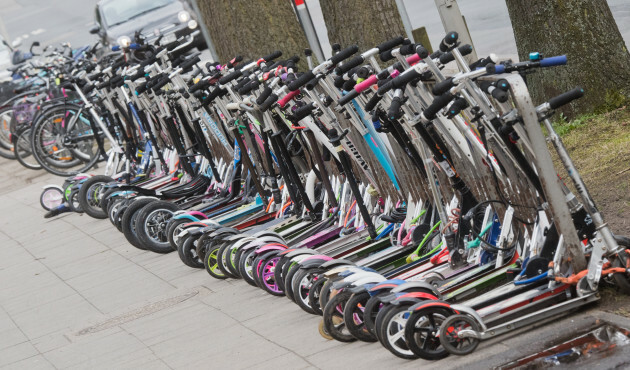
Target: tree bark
x,y
253,28
586,32
363,22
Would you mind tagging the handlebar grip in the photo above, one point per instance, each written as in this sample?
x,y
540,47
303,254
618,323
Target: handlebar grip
x,y
313,82
245,89
458,105
348,85
348,97
449,41
386,56
264,95
213,95
142,88
437,105
303,111
371,104
230,77
491,88
365,84
394,111
449,57
344,54
399,82
163,82
190,62
566,98
116,81
415,58
201,85
554,61
272,56
390,44
301,81
269,102
88,88
498,68
436,54
354,62
287,98
139,74
407,49
443,86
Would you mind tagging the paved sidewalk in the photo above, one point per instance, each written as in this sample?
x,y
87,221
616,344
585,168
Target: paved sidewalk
x,y
75,294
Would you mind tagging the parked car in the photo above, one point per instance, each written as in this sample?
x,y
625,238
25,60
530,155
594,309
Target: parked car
x,y
117,21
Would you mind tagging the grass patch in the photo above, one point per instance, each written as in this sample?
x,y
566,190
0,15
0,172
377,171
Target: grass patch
x,y
599,145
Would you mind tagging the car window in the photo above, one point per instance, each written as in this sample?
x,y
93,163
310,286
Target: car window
x,y
119,11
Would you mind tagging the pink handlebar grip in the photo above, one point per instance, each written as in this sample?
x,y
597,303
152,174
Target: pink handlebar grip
x,y
413,59
287,98
360,87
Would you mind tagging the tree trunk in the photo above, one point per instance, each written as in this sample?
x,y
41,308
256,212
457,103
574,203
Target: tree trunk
x,y
253,28
586,32
366,23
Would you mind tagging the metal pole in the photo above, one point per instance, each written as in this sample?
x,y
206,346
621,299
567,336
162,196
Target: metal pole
x,y
309,29
205,32
404,16
452,20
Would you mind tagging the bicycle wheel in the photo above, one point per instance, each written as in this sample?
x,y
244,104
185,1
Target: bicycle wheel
x,y
6,147
22,150
63,141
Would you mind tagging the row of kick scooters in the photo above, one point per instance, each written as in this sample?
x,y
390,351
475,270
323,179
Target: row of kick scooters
x,y
403,204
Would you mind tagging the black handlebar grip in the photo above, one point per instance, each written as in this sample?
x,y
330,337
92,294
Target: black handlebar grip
x,y
232,76
449,57
338,81
422,52
272,56
116,81
308,52
88,88
303,111
348,97
371,104
139,74
119,63
500,95
270,101
399,82
449,42
240,84
163,81
312,83
232,62
407,49
394,111
344,54
142,87
354,62
566,98
458,105
249,86
386,56
264,95
213,95
187,64
201,85
439,103
390,44
335,47
301,81
443,86
436,54
348,85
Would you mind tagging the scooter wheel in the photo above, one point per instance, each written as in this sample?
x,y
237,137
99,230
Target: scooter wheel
x,y
323,332
51,197
450,339
422,330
